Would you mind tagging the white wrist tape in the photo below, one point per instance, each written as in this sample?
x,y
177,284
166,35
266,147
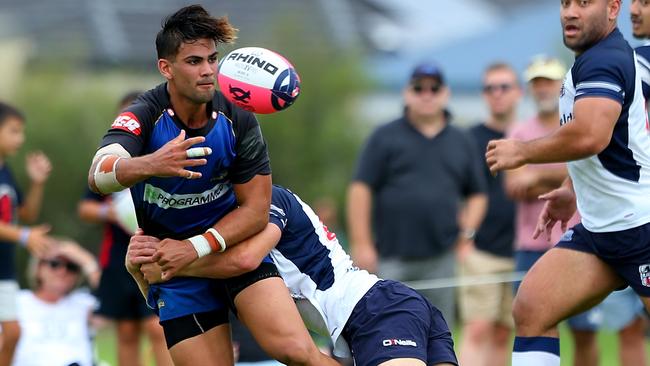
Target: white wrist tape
x,y
201,245
220,239
105,177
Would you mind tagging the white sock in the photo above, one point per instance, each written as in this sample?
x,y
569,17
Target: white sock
x,y
536,351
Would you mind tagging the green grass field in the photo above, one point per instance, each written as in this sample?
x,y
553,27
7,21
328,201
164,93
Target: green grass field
x,y
607,340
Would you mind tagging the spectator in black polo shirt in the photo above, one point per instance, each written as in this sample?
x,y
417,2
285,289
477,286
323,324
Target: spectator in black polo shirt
x,y
413,176
486,310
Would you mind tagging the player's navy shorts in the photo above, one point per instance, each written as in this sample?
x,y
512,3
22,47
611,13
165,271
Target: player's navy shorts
x,y
119,296
626,251
394,321
185,296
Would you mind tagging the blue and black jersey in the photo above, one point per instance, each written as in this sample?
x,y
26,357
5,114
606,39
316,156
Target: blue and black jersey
x,y
10,200
177,207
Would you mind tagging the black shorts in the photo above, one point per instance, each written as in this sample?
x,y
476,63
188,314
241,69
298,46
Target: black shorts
x,y
188,326
235,285
119,296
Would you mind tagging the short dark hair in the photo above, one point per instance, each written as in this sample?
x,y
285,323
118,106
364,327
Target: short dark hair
x,y
7,111
128,98
190,24
500,65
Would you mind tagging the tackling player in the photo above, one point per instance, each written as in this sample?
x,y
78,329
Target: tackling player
x,y
382,322
604,138
200,194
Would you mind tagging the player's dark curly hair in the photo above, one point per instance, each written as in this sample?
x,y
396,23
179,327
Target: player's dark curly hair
x,y
188,25
7,111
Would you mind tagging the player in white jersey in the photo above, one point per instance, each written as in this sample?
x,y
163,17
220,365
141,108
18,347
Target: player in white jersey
x,y
381,322
640,16
604,138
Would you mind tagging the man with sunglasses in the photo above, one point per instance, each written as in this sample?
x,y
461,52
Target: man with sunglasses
x,y
485,310
412,176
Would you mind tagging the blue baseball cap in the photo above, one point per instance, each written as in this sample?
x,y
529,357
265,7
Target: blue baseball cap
x,y
427,70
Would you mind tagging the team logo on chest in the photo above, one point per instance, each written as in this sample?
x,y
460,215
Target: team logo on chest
x,y
644,272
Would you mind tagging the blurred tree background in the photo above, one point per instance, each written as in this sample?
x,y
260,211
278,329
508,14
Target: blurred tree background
x,y
313,144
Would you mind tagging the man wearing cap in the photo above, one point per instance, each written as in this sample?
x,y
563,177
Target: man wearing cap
x,y
413,175
486,310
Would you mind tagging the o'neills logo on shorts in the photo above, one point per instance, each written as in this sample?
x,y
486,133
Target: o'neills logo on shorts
x,y
164,200
399,342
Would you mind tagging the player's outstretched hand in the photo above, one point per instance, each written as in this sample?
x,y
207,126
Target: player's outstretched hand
x,y
172,159
173,255
140,251
38,167
560,206
504,155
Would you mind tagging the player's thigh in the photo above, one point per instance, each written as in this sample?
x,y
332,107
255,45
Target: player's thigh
x,y
212,348
277,327
562,283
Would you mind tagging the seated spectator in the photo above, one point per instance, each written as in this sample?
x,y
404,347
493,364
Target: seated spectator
x,y
55,316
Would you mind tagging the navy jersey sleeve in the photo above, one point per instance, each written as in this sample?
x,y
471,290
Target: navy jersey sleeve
x,y
133,125
602,73
371,167
252,157
280,206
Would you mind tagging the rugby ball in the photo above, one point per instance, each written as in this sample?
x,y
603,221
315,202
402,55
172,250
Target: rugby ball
x,y
258,80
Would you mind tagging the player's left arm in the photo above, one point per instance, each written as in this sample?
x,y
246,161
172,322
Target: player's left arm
x,y
587,134
237,260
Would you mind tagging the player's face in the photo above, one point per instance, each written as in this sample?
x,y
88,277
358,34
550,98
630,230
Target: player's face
x,y
193,71
426,97
12,136
57,275
546,94
640,15
585,22
501,92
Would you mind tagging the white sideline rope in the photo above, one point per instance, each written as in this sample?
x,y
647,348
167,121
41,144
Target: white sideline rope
x,y
462,281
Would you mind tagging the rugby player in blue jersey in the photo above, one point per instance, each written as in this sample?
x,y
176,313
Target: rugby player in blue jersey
x,y
200,179
381,322
604,138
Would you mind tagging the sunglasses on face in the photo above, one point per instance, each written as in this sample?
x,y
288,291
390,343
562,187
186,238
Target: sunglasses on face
x,y
491,88
419,89
56,264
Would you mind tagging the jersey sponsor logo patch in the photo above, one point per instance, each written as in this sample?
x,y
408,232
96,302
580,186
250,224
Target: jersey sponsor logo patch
x,y
644,272
128,122
164,200
398,342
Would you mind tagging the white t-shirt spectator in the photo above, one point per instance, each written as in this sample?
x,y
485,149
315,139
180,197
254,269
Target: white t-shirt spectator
x,y
54,334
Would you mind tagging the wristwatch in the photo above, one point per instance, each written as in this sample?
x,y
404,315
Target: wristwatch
x,y
468,234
